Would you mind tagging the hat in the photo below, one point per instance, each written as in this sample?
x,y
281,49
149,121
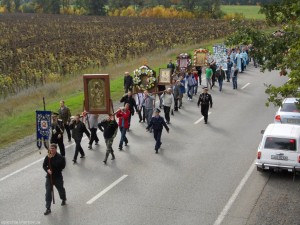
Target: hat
x,y
157,110
54,114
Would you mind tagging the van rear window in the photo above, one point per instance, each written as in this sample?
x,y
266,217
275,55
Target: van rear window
x,y
281,143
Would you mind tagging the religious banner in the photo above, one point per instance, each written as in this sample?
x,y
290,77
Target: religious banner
x,y
200,57
96,93
144,79
165,76
183,62
43,125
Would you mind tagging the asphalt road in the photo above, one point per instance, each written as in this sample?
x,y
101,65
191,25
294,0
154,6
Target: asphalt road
x,y
203,174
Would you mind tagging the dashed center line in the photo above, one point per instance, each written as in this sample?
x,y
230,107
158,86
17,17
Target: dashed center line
x,y
198,121
245,86
106,190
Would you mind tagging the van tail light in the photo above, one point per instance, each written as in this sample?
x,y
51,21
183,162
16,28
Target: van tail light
x,y
259,155
298,158
277,118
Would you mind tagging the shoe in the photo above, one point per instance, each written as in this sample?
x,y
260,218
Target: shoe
x,y
168,122
90,147
96,143
113,157
47,212
104,162
63,202
156,151
140,121
126,143
74,161
120,148
83,156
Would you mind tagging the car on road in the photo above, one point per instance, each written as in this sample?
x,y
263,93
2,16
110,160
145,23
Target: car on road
x,y
289,112
279,148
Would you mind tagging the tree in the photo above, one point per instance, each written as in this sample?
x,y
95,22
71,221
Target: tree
x,y
276,51
96,7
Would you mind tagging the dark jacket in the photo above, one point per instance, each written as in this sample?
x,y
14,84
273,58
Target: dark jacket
x,y
131,101
157,123
128,81
109,128
78,129
205,99
56,129
64,114
57,163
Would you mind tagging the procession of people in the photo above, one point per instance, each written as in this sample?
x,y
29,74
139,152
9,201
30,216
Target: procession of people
x,y
142,102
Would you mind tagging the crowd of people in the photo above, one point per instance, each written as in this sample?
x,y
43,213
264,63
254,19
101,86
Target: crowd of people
x,y
143,104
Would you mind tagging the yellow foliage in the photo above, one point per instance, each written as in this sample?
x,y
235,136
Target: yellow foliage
x,y
231,16
2,9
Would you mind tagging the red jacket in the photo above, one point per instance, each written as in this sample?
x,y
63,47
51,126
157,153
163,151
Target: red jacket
x,y
124,115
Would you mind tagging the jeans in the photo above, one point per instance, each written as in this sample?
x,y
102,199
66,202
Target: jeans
x,y
148,115
220,85
234,82
208,82
228,72
123,137
190,91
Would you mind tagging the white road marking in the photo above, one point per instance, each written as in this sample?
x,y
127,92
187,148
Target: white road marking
x,y
245,86
233,197
198,121
106,190
31,164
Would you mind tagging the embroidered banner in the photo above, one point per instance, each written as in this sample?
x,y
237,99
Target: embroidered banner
x,y
43,125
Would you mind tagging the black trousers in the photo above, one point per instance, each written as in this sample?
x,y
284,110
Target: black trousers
x,y
204,111
142,113
61,146
176,104
167,113
78,149
157,137
58,182
67,128
94,136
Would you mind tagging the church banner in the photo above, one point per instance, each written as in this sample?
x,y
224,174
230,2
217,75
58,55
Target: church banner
x,y
43,125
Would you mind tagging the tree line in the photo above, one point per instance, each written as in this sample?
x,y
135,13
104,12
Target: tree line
x,y
103,7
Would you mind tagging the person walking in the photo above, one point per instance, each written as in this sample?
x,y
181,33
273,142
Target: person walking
x,y
127,98
190,85
208,76
234,72
228,71
171,66
157,123
182,90
78,128
199,70
168,103
141,108
109,127
205,100
176,93
148,104
53,165
65,114
57,131
220,75
128,82
123,114
93,125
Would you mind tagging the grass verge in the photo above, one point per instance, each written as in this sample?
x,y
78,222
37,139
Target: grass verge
x,y
18,112
249,11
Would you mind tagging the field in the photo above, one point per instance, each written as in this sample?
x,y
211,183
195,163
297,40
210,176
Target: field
x,y
46,55
249,11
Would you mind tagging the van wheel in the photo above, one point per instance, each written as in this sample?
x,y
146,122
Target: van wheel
x,y
260,169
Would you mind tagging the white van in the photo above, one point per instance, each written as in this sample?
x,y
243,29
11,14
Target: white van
x,y
279,148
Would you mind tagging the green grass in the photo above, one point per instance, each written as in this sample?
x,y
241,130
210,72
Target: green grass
x,y
249,11
18,114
